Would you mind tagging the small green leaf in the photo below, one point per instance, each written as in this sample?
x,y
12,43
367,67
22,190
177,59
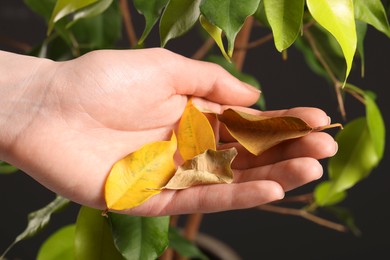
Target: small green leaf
x,y
373,13
151,11
139,237
337,16
59,245
376,125
355,158
325,196
178,17
93,237
183,246
229,16
215,33
361,29
6,168
285,18
66,7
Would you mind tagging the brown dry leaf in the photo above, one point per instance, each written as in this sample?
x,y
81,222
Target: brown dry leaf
x,y
259,133
140,175
195,134
210,167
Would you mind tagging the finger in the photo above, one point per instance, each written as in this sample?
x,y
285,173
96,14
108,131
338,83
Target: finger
x,y
211,198
290,174
208,80
315,145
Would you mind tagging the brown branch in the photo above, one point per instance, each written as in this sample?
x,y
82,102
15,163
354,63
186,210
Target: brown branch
x,y
15,44
256,43
337,84
304,214
125,11
204,49
242,40
191,229
356,95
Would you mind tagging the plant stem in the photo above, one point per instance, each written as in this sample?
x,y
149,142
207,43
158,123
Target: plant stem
x,y
242,40
191,229
132,37
304,214
337,84
256,43
204,49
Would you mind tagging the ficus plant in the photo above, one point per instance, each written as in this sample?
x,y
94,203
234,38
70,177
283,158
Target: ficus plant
x,y
330,34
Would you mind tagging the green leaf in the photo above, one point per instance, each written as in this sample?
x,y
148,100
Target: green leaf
x,y
66,7
59,245
93,237
228,15
325,196
373,13
39,219
183,246
92,10
337,16
178,17
151,11
355,158
376,125
6,168
215,33
232,69
139,237
285,18
361,29
99,32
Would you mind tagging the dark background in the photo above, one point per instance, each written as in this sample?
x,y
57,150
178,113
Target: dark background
x,y
253,234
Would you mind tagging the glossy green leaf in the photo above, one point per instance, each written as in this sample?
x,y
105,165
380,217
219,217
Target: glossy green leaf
x,y
376,125
285,19
232,69
92,10
183,246
229,15
178,17
337,16
66,7
60,245
151,10
355,158
143,238
99,32
325,196
6,168
260,15
93,237
373,13
216,33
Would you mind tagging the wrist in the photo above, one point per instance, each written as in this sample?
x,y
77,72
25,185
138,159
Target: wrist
x,y
22,84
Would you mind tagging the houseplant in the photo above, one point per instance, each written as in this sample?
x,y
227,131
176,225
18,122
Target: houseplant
x,y
322,52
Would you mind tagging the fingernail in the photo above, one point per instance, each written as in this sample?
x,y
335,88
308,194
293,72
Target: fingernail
x,y
336,147
329,120
251,88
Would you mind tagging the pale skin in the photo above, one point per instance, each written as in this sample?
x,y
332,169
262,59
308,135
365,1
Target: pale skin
x,y
66,123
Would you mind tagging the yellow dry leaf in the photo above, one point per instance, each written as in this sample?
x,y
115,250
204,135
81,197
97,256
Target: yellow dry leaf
x,y
140,175
210,167
195,134
259,133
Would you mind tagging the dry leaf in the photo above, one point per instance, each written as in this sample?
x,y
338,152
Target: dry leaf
x,y
140,175
259,133
195,134
210,167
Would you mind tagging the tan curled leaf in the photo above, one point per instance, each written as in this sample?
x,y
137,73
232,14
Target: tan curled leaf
x,y
259,133
195,134
210,167
140,175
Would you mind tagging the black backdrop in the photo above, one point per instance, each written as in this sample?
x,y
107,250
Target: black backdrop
x,y
253,234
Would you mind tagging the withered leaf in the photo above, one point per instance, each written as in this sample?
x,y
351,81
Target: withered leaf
x,y
259,133
195,134
140,175
210,167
